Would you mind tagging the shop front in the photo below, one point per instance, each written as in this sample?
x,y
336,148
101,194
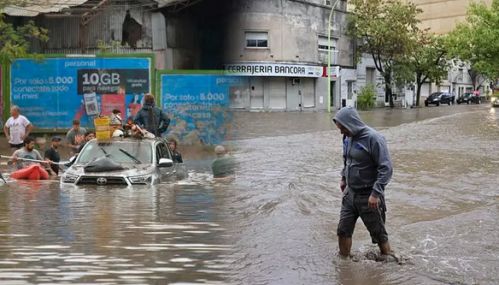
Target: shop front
x,y
276,87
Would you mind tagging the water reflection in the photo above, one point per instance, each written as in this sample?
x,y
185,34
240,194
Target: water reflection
x,y
112,235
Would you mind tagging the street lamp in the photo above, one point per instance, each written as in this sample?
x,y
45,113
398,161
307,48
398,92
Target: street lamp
x,y
331,16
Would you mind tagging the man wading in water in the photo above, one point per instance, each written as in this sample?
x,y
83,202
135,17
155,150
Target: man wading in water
x,y
367,170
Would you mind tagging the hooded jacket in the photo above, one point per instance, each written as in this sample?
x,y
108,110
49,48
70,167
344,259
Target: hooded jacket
x,y
367,162
153,119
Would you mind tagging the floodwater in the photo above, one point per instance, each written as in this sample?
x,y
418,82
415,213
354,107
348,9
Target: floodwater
x,y
275,223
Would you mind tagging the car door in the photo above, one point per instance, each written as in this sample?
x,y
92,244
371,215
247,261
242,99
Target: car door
x,y
162,151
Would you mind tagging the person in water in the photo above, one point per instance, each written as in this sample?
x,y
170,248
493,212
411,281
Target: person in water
x,y
366,172
224,165
176,156
28,151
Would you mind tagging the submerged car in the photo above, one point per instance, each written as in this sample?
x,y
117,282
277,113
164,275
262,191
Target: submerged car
x,y
438,98
123,161
494,101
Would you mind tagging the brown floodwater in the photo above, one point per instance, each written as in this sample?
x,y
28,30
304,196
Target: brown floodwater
x,y
275,223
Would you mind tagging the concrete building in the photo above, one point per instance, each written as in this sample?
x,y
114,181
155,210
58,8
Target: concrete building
x,y
441,17
282,47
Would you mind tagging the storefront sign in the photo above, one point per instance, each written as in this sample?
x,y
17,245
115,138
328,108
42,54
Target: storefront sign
x,y
54,91
198,106
335,72
270,69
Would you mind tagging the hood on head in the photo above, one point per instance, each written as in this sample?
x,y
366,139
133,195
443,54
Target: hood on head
x,y
350,119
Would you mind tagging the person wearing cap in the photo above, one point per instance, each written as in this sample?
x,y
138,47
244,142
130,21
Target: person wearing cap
x,y
75,136
52,154
224,165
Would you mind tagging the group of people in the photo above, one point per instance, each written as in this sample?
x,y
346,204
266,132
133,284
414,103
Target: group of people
x,y
150,121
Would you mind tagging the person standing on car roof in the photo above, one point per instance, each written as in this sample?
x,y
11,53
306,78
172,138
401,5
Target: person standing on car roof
x,y
367,170
152,118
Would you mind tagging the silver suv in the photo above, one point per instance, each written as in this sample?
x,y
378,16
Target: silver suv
x,y
123,161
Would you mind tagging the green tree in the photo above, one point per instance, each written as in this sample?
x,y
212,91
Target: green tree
x,y
15,41
477,42
428,60
386,30
366,97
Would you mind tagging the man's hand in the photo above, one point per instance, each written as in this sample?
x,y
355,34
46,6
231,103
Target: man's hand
x,y
343,185
79,139
373,202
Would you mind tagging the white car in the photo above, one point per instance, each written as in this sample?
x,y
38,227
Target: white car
x,y
123,161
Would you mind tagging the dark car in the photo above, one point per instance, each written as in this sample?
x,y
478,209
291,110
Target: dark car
x,y
438,98
468,98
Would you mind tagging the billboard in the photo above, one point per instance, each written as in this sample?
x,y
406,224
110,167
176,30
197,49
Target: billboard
x,y
54,91
198,106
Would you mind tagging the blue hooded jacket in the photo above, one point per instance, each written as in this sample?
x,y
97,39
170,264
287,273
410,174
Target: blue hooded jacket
x,y
153,119
367,161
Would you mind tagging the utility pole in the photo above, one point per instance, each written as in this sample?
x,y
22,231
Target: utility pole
x,y
331,16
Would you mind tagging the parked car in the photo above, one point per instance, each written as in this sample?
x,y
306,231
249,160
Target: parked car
x,y
494,101
466,98
438,98
123,161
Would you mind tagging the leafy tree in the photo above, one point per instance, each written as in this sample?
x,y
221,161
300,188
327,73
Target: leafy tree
x,y
386,30
477,42
428,60
366,97
16,41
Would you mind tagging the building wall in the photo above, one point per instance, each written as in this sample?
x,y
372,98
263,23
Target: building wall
x,y
441,16
293,28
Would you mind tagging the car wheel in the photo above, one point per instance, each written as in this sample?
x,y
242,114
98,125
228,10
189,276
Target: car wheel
x,y
468,102
448,103
426,104
438,104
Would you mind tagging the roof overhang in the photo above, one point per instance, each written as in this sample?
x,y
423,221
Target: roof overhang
x,y
57,6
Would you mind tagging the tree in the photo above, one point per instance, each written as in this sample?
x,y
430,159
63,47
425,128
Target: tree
x,y
428,60
16,41
477,42
386,30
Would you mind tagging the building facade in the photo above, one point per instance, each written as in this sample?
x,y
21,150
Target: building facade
x,y
282,48
441,17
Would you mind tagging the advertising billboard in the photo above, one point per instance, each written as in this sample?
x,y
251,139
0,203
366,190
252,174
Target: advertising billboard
x,y
54,91
198,106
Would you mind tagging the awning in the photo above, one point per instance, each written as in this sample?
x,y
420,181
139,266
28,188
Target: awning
x,y
42,7
55,6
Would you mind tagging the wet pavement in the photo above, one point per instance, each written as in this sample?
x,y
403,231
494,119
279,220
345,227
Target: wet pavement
x,y
276,222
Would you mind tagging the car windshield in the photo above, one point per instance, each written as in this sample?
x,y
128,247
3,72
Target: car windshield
x,y
119,151
436,94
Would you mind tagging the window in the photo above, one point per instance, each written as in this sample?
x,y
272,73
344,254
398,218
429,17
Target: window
x,y
349,89
324,45
257,39
370,73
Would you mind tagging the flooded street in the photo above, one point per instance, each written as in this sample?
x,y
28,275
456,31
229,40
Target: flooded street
x,y
276,222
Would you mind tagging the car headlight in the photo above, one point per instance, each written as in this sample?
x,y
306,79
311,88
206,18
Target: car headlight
x,y
141,179
69,178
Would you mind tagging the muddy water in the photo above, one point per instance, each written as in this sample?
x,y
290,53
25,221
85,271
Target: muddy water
x,y
275,223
